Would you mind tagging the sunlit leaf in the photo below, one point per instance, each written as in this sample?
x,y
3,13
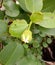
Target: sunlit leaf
x,y
17,28
31,5
48,20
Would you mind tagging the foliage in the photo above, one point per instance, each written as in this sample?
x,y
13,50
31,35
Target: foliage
x,y
25,29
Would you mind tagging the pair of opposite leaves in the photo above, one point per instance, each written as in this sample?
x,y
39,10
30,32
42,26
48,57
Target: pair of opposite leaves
x,y
46,20
12,9
31,6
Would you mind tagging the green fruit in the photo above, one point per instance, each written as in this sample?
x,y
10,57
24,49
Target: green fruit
x,y
36,17
26,36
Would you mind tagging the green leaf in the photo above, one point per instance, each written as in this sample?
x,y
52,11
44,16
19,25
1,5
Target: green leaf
x,y
11,53
27,61
39,56
3,27
25,46
45,44
48,5
48,20
12,9
36,44
31,5
46,31
39,62
23,61
17,28
49,40
38,38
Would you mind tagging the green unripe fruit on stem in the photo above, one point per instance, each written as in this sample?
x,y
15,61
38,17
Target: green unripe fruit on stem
x,y
36,17
26,36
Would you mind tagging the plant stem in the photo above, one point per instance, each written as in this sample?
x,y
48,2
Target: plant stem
x,y
30,25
